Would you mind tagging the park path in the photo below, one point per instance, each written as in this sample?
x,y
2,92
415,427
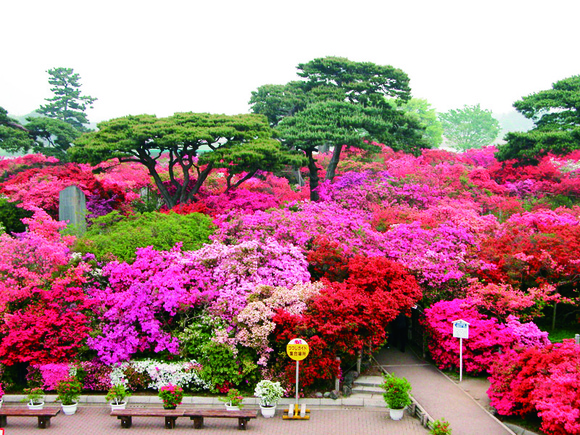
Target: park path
x,y
463,406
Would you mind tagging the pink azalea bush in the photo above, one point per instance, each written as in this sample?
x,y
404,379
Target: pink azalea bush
x,y
486,336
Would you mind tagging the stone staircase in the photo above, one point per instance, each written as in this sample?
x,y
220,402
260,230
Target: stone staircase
x,y
369,390
368,385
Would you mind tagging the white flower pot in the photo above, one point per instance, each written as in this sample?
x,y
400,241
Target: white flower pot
x,y
116,406
231,407
396,414
70,409
1,401
268,411
35,405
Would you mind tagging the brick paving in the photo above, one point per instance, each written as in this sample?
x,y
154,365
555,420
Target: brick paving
x,y
95,419
441,397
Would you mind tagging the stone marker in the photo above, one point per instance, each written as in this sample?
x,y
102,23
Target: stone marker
x,y
72,207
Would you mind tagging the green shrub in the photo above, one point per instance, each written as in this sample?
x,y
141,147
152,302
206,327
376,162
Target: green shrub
x,y
115,236
440,427
396,391
11,216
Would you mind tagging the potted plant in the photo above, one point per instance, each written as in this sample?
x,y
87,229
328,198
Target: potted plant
x,y
269,394
171,395
233,400
1,395
396,395
440,427
117,396
34,397
69,390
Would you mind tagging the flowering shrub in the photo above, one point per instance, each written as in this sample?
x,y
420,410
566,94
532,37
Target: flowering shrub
x,y
171,395
544,380
268,392
233,398
183,374
46,310
486,336
396,391
53,374
1,391
68,390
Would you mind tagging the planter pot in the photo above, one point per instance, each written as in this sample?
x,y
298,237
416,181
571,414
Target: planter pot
x,y
118,406
396,414
1,401
70,409
35,405
268,411
231,407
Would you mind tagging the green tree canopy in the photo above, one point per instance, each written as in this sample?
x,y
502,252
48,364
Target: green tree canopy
x,y
14,137
194,144
67,104
556,116
52,137
470,127
331,122
355,84
422,112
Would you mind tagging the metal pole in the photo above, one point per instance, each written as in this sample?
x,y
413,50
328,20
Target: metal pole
x,y
460,359
297,364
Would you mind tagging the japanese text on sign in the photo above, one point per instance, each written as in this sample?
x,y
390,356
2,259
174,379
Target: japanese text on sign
x,y
297,349
461,329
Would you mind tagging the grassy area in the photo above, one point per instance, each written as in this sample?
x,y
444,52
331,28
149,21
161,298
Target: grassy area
x,y
557,335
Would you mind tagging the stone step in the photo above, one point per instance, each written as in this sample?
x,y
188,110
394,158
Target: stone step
x,y
365,389
368,381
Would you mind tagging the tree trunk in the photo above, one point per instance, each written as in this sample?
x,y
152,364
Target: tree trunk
x,y
313,169
331,170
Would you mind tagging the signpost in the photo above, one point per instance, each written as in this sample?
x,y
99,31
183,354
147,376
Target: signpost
x,y
461,331
297,349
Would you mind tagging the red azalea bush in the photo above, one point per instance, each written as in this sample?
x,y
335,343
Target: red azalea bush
x,y
543,380
46,312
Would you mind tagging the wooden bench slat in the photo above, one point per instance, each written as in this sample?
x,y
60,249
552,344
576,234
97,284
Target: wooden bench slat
x,y
126,415
147,412
197,415
43,415
25,412
219,413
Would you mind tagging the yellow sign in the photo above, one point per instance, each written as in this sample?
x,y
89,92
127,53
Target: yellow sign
x,y
297,349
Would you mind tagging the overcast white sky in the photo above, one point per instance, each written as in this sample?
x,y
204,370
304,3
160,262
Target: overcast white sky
x,y
166,56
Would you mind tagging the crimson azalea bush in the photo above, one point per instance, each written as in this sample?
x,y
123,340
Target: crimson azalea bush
x,y
46,311
543,380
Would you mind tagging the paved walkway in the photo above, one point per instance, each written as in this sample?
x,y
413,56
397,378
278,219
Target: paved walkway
x,y
443,398
95,419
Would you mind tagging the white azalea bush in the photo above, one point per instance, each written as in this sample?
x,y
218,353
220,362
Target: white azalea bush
x,y
268,392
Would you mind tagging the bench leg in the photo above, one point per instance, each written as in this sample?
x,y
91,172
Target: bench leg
x,y
2,421
197,422
126,421
243,423
43,422
170,422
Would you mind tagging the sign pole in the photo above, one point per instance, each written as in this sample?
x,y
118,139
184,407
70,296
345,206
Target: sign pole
x,y
297,364
297,349
460,359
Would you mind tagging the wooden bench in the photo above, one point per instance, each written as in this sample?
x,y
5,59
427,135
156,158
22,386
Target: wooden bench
x,y
44,415
197,415
126,415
